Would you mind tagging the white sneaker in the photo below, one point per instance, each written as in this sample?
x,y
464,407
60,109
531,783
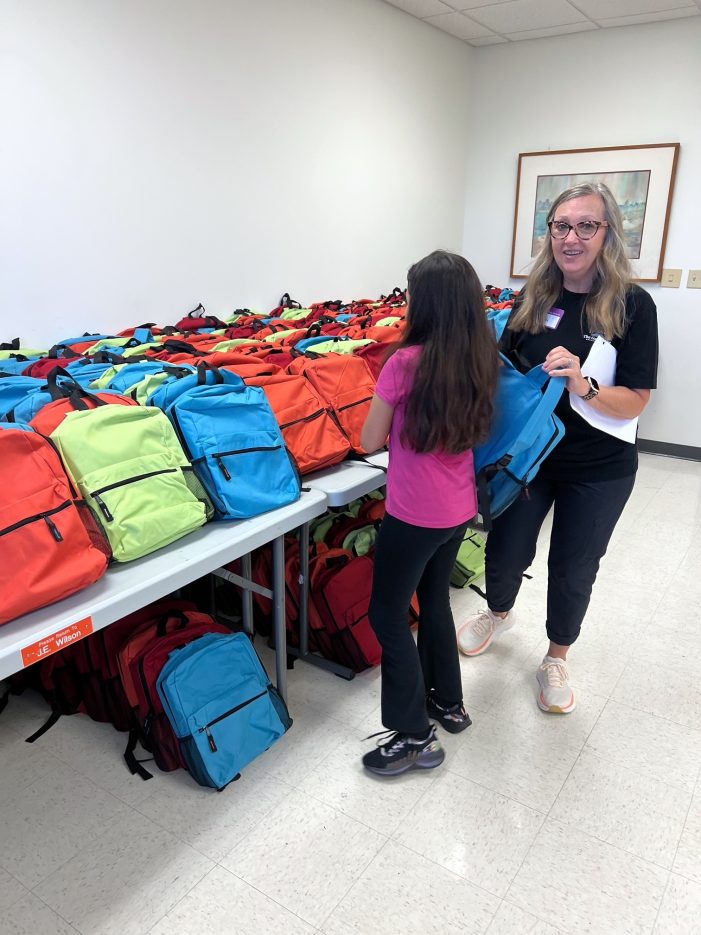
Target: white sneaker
x,y
478,631
556,695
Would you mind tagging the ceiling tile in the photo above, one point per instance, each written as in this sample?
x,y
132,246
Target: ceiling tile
x,y
551,31
458,25
487,40
467,5
650,17
422,8
610,9
516,15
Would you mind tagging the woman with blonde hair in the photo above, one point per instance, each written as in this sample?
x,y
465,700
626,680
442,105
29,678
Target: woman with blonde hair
x,y
580,288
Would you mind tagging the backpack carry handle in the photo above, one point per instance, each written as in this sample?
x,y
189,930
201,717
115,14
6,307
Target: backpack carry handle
x,y
197,312
60,392
202,367
12,345
287,302
181,347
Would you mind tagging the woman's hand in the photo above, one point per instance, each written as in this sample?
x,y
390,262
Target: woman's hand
x,y
561,363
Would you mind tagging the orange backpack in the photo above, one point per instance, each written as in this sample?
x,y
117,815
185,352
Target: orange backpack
x,y
311,434
347,385
50,544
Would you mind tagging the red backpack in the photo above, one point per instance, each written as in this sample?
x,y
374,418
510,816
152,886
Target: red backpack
x,y
339,598
50,543
197,319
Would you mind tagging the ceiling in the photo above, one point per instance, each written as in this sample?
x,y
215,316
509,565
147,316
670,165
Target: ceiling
x,y
488,22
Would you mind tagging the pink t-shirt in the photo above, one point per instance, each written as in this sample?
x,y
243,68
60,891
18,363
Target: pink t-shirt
x,y
436,489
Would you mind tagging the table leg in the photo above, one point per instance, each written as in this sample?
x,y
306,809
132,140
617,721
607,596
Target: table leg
x,y
279,630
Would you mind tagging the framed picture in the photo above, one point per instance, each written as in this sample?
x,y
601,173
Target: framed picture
x,y
640,177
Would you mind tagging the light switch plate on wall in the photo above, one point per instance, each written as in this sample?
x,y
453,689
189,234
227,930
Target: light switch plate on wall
x,y
672,278
694,280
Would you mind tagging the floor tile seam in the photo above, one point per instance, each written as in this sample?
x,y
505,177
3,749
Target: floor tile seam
x,y
503,795
676,786
184,896
653,930
558,927
621,850
338,811
676,850
445,869
25,889
256,889
355,882
72,927
80,847
666,720
194,847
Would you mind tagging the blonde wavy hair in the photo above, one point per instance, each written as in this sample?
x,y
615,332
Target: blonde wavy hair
x,y
605,305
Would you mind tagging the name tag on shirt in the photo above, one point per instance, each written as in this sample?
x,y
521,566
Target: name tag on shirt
x,y
553,318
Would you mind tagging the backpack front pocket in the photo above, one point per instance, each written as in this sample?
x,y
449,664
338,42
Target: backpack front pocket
x,y
145,508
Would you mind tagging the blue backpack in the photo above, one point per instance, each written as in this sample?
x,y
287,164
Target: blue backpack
x,y
205,375
524,431
222,706
233,439
13,389
499,318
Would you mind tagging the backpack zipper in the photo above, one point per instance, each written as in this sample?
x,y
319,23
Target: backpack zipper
x,y
314,415
220,455
46,516
365,399
206,729
95,494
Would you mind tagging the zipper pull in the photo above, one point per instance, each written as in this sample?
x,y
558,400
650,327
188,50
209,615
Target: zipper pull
x,y
103,506
53,528
212,744
222,467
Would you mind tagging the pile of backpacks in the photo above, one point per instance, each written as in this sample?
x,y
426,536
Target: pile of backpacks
x,y
188,691
117,445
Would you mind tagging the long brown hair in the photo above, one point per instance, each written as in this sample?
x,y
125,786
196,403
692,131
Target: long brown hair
x,y
605,305
450,404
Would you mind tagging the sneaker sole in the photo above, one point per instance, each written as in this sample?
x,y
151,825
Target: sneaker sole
x,y
556,709
436,760
483,647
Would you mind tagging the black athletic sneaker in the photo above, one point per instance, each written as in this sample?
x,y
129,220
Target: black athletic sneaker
x,y
453,719
402,752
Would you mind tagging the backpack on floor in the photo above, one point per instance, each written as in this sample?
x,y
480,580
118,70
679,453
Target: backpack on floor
x,y
141,659
50,544
131,469
524,431
339,599
232,437
222,706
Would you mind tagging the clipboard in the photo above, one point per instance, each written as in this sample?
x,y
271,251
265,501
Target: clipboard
x,y
601,364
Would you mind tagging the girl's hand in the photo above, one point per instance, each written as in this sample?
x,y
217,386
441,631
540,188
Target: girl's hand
x,y
561,363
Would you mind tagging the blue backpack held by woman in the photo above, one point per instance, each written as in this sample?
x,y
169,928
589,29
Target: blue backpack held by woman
x,y
524,431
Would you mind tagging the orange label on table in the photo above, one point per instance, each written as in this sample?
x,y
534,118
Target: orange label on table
x,y
55,642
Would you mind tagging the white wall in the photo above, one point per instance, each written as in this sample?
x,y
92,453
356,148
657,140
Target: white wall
x,y
606,88
155,154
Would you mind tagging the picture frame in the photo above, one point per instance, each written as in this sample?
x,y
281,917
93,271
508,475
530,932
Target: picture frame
x,y
640,177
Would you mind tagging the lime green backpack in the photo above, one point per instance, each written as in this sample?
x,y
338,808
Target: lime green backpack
x,y
469,565
131,469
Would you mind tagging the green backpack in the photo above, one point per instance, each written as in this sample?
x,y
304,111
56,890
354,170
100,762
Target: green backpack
x,y
469,565
131,469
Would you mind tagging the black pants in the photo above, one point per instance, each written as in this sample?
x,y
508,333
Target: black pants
x,y
584,519
407,559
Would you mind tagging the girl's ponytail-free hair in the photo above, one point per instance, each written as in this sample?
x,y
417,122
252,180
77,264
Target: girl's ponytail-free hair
x,y
450,405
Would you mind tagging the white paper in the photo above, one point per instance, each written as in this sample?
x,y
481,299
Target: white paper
x,y
601,364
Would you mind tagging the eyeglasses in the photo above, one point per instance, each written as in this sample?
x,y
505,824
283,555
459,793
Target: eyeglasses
x,y
585,230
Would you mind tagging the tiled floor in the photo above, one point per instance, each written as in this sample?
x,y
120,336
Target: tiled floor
x,y
541,825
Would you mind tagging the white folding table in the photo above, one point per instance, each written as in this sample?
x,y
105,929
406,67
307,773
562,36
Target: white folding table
x,y
129,586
